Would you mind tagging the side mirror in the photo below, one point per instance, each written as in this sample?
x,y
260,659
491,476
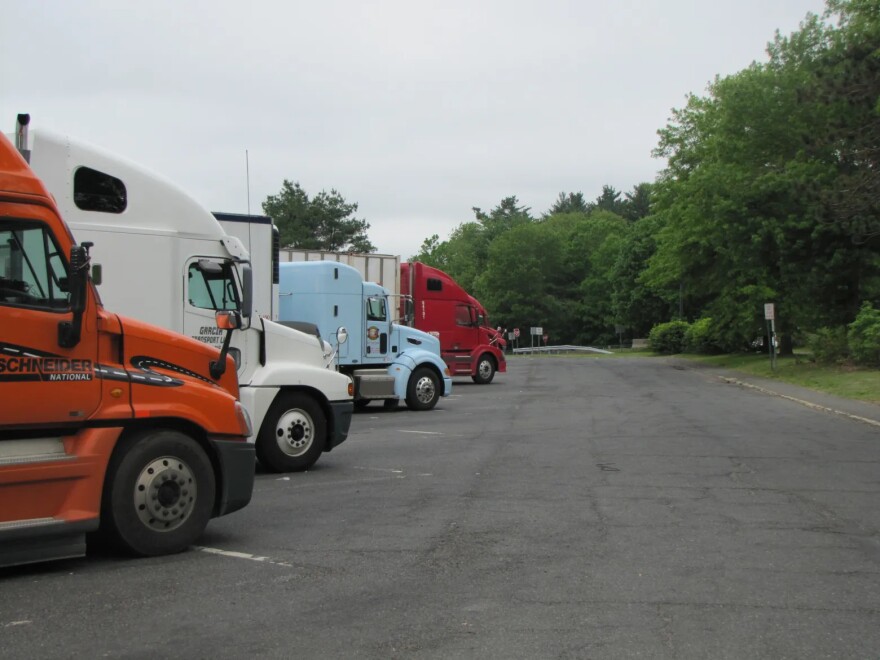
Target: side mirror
x,y
409,311
247,291
228,321
78,278
69,332
341,338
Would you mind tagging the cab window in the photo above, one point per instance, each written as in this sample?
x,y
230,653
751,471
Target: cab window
x,y
463,315
97,191
376,310
33,272
211,285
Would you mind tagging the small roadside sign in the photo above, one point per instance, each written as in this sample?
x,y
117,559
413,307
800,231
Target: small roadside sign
x,y
537,330
769,311
516,332
545,338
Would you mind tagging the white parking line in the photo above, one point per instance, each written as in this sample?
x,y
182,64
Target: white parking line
x,y
241,555
392,470
421,432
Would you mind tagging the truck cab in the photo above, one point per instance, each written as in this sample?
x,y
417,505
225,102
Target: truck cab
x,y
489,335
387,361
109,426
166,260
442,308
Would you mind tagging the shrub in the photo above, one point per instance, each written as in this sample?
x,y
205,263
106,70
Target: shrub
x,y
700,337
864,336
829,345
668,337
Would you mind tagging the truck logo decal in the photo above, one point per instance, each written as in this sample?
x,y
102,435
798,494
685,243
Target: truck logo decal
x,y
210,334
145,364
22,363
26,364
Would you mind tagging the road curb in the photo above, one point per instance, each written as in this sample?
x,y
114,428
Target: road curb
x,y
808,404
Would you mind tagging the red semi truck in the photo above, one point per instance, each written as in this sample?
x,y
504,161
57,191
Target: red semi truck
x,y
468,345
107,424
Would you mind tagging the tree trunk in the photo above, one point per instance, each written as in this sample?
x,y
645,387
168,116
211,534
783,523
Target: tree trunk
x,y
786,345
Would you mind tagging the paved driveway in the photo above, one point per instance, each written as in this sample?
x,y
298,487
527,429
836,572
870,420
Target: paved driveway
x,y
574,508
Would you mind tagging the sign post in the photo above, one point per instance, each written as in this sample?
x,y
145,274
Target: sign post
x,y
770,317
536,332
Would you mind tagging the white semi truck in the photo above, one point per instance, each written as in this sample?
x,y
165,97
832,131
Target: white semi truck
x,y
169,262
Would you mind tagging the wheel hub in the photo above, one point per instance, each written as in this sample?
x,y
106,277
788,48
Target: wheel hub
x,y
425,390
294,432
165,494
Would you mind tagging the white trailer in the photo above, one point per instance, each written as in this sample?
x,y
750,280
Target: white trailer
x,y
169,262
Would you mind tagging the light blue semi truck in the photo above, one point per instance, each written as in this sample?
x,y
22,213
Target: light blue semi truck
x,y
387,361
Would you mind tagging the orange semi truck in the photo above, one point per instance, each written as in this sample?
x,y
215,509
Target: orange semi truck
x,y
110,428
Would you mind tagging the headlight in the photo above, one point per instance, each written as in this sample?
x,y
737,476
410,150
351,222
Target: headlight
x,y
244,420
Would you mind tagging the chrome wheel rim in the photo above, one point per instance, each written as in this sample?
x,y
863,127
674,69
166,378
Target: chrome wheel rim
x,y
485,369
165,494
425,389
294,432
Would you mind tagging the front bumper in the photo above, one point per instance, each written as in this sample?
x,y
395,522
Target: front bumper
x,y
340,420
236,484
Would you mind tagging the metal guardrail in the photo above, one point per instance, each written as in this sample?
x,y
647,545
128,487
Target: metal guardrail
x,y
568,348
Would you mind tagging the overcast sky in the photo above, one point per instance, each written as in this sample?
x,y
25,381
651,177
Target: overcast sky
x,y
418,111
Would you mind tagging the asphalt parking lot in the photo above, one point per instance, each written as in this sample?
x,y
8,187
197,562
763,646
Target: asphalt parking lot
x,y
574,508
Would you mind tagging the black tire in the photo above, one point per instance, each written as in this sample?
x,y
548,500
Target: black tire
x,y
423,390
159,493
293,433
360,404
485,370
390,404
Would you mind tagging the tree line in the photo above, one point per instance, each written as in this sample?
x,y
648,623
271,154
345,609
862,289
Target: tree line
x,y
771,193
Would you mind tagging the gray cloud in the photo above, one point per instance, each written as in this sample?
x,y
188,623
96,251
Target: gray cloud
x,y
418,111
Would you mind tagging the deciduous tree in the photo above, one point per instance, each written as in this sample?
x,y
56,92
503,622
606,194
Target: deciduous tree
x,y
323,222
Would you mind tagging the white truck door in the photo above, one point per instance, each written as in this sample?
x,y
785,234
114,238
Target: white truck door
x,y
210,285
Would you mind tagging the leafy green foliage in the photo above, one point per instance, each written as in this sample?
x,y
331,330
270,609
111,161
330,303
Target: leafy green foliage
x,y
770,193
518,285
743,199
637,305
569,203
701,337
323,222
864,336
668,337
829,345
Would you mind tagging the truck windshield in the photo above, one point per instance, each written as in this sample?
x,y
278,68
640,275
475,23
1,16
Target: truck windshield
x,y
212,285
32,270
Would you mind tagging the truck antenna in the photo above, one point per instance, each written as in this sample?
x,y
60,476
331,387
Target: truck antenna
x,y
247,169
